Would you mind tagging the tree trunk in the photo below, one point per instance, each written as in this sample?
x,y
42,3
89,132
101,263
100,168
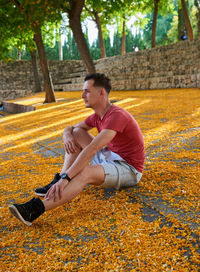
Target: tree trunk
x,y
48,86
60,47
187,21
197,4
101,41
60,50
19,54
35,71
75,24
181,21
123,47
155,15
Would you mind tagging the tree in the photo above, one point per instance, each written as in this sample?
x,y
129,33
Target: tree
x,y
178,25
30,16
117,43
161,7
155,14
48,85
94,8
123,47
181,21
74,10
129,41
101,13
95,50
138,41
108,46
197,5
123,10
70,50
187,20
35,71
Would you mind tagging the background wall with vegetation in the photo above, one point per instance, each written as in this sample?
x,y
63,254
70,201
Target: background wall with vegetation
x,y
170,66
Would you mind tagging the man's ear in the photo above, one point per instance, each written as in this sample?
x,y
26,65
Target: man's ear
x,y
103,91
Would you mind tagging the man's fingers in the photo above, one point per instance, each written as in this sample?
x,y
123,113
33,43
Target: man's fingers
x,y
56,192
50,193
60,192
71,147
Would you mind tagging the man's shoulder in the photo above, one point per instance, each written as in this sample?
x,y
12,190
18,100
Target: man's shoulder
x,y
119,110
115,108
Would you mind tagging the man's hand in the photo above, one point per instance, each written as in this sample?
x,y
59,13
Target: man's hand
x,y
70,145
56,191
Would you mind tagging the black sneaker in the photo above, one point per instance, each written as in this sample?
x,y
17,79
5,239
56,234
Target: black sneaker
x,y
28,211
42,191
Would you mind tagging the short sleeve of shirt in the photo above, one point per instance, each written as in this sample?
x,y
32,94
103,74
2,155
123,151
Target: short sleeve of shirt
x,y
90,120
114,120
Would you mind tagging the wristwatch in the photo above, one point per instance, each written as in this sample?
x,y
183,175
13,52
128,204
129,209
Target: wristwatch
x,y
65,176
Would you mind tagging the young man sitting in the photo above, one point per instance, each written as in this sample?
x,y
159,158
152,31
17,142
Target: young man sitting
x,y
114,158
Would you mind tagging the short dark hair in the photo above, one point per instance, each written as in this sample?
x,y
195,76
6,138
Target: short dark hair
x,y
100,80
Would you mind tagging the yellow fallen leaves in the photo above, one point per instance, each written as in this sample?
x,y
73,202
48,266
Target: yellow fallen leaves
x,y
105,231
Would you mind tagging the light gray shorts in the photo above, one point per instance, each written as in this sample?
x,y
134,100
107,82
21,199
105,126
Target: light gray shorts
x,y
118,173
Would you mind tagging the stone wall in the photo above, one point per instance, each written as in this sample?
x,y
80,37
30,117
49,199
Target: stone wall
x,y
16,78
171,66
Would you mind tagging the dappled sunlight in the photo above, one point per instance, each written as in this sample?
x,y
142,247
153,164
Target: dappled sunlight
x,y
196,113
32,141
12,137
125,100
98,227
128,108
158,132
45,108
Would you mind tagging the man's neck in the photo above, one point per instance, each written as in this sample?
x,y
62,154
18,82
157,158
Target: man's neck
x,y
102,111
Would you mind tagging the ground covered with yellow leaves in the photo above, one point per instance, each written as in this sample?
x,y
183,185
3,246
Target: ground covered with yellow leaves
x,y
151,227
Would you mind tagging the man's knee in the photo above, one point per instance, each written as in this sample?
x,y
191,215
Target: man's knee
x,y
92,174
82,137
85,175
77,132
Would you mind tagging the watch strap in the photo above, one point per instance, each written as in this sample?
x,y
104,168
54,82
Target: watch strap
x,y
65,176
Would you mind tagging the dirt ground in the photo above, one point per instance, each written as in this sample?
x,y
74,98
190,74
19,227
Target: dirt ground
x,y
154,226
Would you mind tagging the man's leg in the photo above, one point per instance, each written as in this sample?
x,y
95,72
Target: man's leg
x,y
82,139
32,209
89,175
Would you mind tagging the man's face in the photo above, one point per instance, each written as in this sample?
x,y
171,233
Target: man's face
x,y
90,94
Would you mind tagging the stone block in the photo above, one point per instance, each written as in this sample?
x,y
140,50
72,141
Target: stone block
x,y
16,108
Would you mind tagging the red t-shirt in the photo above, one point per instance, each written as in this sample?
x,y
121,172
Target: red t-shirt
x,y
128,142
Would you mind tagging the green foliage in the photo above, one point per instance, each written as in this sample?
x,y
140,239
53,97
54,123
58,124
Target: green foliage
x,y
105,11
95,50
173,31
116,48
19,21
70,50
108,47
163,26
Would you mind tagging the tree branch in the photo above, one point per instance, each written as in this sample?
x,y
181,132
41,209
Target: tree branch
x,y
90,13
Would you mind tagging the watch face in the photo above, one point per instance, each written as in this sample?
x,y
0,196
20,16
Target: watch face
x,y
63,176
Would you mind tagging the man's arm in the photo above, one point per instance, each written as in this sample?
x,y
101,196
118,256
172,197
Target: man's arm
x,y
100,141
69,142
